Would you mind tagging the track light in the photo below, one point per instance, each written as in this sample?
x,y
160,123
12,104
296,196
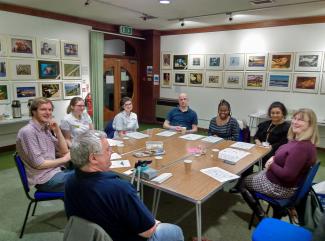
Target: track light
x,y
87,3
229,15
164,2
182,22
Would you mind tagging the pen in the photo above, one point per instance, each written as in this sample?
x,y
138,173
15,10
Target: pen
x,y
122,163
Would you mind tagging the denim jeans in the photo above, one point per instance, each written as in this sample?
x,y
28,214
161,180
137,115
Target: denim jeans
x,y
167,232
56,183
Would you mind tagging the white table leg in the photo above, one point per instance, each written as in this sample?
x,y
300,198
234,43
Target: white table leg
x,y
198,221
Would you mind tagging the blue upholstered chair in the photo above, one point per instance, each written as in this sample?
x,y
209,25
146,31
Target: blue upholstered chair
x,y
37,197
109,130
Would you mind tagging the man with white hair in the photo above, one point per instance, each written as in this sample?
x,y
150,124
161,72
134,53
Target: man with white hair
x,y
100,196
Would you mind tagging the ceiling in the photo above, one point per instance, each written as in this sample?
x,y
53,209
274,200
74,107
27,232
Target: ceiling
x,y
196,13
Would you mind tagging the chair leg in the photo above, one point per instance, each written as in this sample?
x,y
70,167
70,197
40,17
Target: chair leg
x,y
26,217
33,213
251,221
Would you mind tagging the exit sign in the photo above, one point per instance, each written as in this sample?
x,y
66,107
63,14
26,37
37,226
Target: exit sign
x,y
127,30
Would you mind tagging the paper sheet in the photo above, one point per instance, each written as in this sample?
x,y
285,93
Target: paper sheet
x,y
113,142
115,156
191,137
212,139
243,145
219,174
232,156
120,163
136,135
166,133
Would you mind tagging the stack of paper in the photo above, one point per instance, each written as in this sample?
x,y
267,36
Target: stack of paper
x,y
136,135
166,133
243,145
113,142
120,164
219,174
232,156
191,137
115,156
212,139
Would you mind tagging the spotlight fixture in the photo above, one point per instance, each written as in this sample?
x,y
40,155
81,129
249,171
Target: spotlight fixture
x,y
164,1
229,15
182,22
87,2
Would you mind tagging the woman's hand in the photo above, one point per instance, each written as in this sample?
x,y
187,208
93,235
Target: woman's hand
x,y
258,142
269,162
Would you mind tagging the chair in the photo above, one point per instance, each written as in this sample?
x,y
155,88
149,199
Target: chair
x,y
38,196
285,204
109,130
271,229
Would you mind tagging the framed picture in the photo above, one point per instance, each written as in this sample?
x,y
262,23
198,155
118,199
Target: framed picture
x,y
213,79
166,78
48,48
256,61
214,61
21,46
69,50
71,89
24,91
255,80
322,90
281,61
3,69
5,93
279,81
196,79
180,61
233,80
235,62
166,60
308,61
51,90
49,69
22,69
3,45
196,61
306,82
180,78
71,69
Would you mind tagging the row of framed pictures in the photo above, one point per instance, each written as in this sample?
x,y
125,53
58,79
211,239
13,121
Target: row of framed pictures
x,y
21,46
24,91
276,81
281,61
30,69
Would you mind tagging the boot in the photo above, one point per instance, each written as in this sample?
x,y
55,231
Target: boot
x,y
253,203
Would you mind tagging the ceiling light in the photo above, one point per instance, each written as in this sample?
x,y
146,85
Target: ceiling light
x,y
229,15
164,1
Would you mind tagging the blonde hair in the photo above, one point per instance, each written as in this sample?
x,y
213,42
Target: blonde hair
x,y
311,133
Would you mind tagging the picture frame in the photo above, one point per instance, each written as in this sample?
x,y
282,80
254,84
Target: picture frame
x,y
255,80
280,61
196,78
3,69
20,46
256,61
233,80
5,92
308,61
279,81
166,79
71,89
22,69
71,69
51,90
48,48
166,60
196,61
48,69
23,91
180,78
180,61
213,79
306,82
235,61
322,90
214,61
3,45
70,50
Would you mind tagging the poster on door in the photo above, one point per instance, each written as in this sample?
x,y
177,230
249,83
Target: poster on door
x,y
155,79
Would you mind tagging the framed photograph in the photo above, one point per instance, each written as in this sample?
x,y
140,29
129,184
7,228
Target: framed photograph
x,y
214,61
48,48
279,81
71,69
51,90
322,90
256,61
49,69
213,79
196,78
22,69
233,80
255,80
69,50
71,89
306,82
180,78
308,61
3,45
166,60
24,91
3,69
5,93
281,61
196,61
21,46
166,78
180,61
235,62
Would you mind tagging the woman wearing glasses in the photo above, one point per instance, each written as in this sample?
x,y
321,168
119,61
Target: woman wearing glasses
x,y
76,121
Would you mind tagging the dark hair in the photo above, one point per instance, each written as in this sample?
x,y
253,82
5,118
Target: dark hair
x,y
224,103
37,102
123,101
73,102
278,104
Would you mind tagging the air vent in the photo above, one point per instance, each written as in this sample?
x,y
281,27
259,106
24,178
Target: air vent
x,y
259,2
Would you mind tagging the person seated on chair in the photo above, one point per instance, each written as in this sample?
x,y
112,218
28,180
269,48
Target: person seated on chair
x,y
126,120
100,196
287,169
223,125
273,133
76,121
37,147
182,117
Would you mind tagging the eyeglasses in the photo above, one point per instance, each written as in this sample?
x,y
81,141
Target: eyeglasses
x,y
127,104
299,120
81,106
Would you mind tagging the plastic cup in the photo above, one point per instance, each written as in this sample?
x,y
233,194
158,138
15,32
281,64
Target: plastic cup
x,y
120,148
188,165
149,132
183,130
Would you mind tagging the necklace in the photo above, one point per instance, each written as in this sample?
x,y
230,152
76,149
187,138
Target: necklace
x,y
270,129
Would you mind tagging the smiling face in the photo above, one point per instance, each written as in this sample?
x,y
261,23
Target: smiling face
x,y
43,114
128,106
78,108
276,115
223,112
299,124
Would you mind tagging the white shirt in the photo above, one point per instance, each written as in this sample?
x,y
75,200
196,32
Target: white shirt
x,y
124,122
74,125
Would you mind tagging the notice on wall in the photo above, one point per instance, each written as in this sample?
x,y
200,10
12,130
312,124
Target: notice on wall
x,y
156,79
149,71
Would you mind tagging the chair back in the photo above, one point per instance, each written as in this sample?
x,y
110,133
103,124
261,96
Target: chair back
x,y
109,130
22,173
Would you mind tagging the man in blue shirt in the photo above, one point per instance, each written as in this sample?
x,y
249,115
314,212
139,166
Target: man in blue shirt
x,y
99,196
182,116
